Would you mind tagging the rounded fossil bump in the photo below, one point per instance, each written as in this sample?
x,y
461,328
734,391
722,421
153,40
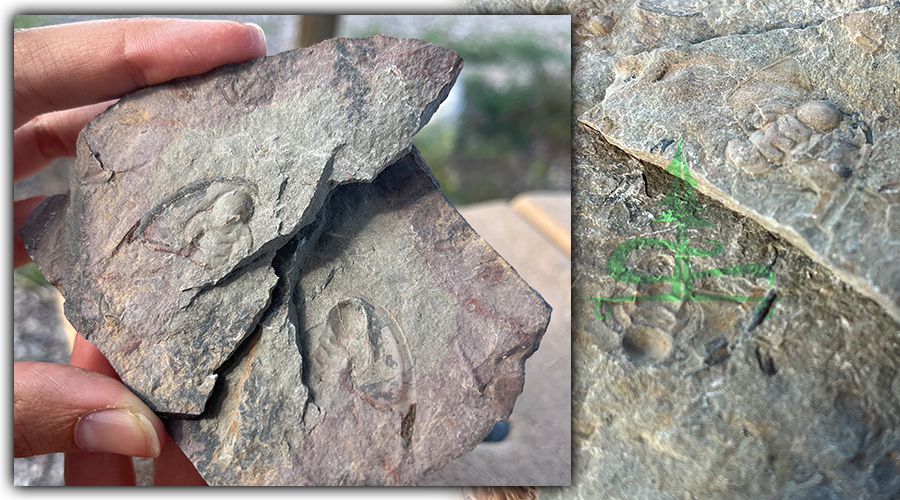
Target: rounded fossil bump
x,y
761,118
349,320
647,344
821,116
366,350
771,143
232,207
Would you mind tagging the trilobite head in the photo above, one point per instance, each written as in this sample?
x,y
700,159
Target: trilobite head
x,y
232,207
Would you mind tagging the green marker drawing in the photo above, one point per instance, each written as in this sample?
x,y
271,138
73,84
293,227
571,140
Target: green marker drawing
x,y
685,210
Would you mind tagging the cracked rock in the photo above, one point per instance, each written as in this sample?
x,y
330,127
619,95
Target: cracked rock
x,y
796,128
717,399
298,326
184,192
605,31
413,334
679,398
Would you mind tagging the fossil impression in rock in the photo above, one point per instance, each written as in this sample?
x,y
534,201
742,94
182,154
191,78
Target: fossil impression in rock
x,y
805,147
414,335
195,220
183,193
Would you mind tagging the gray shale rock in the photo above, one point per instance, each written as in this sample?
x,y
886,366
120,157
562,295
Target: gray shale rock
x,y
221,252
797,129
183,193
414,334
604,31
804,403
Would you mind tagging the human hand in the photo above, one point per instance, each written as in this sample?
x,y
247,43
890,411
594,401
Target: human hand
x,y
63,76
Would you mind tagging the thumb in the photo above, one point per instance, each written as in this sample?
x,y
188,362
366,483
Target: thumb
x,y
62,408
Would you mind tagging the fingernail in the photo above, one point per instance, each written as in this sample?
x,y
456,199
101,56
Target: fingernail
x,y
258,28
117,431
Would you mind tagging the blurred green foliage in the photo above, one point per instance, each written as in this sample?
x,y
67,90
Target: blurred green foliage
x,y
28,21
31,272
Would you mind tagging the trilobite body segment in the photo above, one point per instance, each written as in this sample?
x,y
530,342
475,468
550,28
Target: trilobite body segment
x,y
771,143
745,155
813,137
364,349
206,221
792,128
648,328
222,235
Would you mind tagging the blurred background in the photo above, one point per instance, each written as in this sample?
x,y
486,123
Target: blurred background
x,y
504,130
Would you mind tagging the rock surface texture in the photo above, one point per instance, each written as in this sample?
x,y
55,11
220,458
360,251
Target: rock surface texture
x,y
416,334
184,192
797,128
191,248
787,116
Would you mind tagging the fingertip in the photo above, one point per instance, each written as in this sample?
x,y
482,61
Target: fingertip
x,y
105,60
171,48
70,409
260,37
162,437
124,432
86,355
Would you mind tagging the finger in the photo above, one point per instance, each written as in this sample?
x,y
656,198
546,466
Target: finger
x,y
99,469
50,136
61,408
21,210
96,469
173,468
67,66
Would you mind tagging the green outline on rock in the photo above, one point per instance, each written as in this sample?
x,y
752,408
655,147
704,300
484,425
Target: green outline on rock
x,y
683,209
